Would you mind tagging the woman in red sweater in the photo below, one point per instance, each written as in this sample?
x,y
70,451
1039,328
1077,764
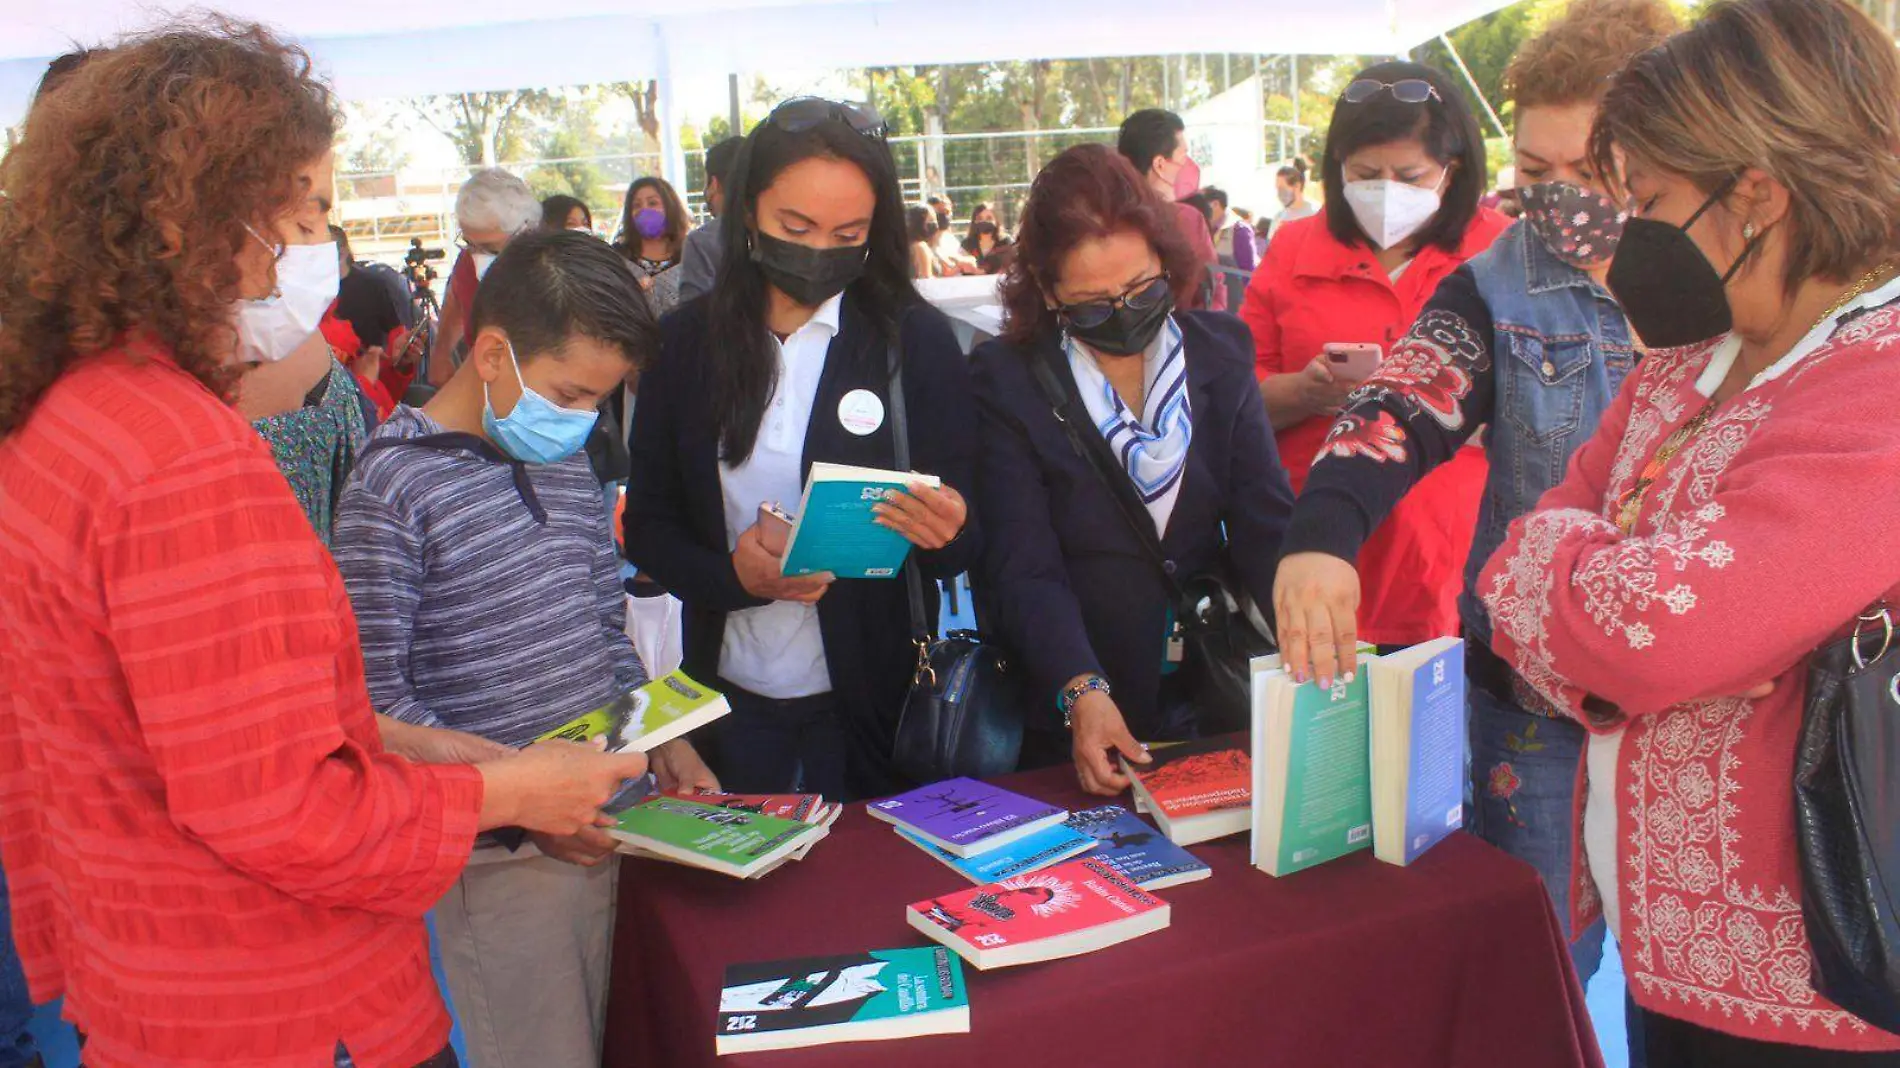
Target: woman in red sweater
x,y
212,854
1734,511
1403,170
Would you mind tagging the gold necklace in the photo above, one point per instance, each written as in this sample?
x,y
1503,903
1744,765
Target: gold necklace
x,y
1630,507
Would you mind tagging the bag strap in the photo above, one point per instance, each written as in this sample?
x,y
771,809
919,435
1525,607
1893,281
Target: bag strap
x,y
1066,406
921,634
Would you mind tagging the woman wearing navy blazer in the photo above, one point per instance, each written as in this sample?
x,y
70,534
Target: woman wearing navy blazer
x,y
1067,584
785,363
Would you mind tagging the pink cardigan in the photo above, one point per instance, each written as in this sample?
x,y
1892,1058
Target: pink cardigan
x,y
1761,540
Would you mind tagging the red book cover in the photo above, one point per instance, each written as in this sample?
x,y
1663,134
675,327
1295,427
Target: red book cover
x,y
1055,901
1195,778
800,807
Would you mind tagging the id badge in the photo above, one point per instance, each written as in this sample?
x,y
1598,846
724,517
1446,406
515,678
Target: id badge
x,y
1176,648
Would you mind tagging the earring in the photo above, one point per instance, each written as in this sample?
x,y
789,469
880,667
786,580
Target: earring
x,y
1748,231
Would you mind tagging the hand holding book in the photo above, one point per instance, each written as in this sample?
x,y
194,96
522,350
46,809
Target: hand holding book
x,y
928,517
1316,611
554,787
1100,733
761,572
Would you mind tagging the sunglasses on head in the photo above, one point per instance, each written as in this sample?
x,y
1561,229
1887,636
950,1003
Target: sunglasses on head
x,y
802,113
1405,91
1092,313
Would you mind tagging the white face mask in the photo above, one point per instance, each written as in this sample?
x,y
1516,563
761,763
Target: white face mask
x,y
272,328
483,261
1389,211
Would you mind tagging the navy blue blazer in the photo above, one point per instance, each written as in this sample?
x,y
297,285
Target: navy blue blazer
x,y
675,523
1066,584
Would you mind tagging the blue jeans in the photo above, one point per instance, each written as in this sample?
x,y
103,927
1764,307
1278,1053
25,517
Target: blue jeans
x,y
1524,784
16,1006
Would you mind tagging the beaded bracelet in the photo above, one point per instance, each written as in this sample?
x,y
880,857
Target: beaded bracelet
x,y
1074,693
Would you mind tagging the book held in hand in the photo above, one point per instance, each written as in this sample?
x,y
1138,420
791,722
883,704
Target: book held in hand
x,y
861,997
1142,854
1196,791
732,842
835,530
1417,748
804,808
1051,845
965,817
1312,796
644,719
1073,908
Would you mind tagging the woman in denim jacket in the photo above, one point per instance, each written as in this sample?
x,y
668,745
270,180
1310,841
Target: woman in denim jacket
x,y
1523,348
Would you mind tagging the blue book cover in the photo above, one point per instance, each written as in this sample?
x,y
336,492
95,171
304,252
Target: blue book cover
x,y
1143,855
1418,748
1051,845
836,531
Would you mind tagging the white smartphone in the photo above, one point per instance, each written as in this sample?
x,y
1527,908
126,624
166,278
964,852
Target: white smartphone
x,y
1353,362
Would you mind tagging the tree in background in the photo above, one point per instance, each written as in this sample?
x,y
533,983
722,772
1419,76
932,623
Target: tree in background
x,y
486,128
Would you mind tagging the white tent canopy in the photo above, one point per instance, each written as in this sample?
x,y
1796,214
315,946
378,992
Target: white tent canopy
x,y
382,48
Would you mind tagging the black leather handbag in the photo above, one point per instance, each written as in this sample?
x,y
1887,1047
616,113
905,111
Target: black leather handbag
x,y
1217,638
964,713
1847,819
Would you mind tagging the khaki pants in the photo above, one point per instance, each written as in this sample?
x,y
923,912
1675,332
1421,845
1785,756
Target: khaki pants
x,y
526,942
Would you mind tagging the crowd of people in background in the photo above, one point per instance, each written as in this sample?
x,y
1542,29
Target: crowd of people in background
x,y
299,568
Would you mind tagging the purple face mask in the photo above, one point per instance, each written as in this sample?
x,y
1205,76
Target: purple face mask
x,y
649,222
1579,227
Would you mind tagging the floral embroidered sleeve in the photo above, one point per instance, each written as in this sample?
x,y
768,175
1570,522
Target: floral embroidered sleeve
x,y
1695,603
1435,389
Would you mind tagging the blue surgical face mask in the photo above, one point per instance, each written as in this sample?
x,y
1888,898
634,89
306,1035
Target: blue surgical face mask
x,y
538,431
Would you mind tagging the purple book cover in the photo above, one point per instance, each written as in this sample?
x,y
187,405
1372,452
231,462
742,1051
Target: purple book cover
x,y
962,811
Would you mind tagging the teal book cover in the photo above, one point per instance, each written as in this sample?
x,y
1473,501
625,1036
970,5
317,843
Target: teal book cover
x,y
1329,775
1049,846
836,531
882,994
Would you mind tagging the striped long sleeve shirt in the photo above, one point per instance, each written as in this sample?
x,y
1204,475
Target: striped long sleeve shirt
x,y
209,853
488,591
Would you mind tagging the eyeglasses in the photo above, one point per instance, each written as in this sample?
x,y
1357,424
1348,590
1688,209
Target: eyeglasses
x,y
462,242
1092,313
1405,91
804,112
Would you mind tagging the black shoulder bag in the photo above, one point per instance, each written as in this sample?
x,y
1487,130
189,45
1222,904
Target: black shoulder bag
x,y
964,713
1217,639
1847,819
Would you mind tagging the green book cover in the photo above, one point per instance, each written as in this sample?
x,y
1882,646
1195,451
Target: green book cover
x,y
1328,805
641,719
708,835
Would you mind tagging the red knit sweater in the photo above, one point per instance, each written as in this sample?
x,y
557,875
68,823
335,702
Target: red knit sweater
x,y
209,854
1761,540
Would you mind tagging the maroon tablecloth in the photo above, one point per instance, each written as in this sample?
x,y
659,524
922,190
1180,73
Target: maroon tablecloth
x,y
1456,960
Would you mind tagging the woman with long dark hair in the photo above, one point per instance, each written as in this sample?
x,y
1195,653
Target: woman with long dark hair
x,y
653,226
788,362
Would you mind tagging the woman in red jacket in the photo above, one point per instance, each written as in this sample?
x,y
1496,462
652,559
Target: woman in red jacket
x,y
1403,171
1734,511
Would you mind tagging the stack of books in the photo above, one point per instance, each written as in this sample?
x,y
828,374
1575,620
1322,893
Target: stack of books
x,y
1196,791
966,818
701,833
1376,762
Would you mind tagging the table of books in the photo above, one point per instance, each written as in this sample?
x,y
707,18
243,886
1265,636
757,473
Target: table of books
x,y
1456,960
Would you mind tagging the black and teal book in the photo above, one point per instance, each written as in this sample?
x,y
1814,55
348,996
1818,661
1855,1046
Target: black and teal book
x,y
1417,748
860,997
1143,855
836,530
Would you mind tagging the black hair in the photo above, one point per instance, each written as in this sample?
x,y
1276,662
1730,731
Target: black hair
x,y
719,159
739,344
556,209
1443,124
547,288
973,241
342,239
1148,133
1293,173
1202,203
1216,195
919,223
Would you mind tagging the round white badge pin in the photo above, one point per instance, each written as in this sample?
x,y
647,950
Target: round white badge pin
x,y
861,412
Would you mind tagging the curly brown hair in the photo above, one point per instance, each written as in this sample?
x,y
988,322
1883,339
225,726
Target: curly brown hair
x,y
1573,60
129,193
1087,191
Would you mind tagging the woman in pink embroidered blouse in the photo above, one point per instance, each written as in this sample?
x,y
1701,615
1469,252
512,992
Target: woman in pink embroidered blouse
x,y
1734,511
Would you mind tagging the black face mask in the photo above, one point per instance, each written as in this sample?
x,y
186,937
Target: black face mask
x,y
808,275
1669,290
1127,331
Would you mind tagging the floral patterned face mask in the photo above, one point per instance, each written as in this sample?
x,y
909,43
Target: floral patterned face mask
x,y
1579,226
